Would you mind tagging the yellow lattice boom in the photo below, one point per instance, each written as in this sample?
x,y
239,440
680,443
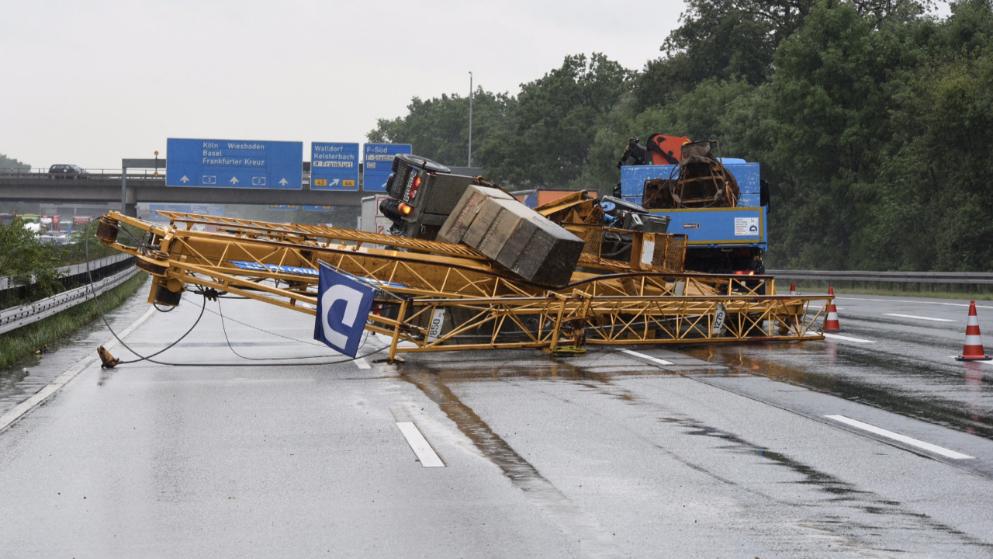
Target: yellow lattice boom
x,y
438,296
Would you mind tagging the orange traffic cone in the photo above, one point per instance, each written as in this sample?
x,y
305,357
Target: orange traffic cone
x,y
792,289
831,323
973,350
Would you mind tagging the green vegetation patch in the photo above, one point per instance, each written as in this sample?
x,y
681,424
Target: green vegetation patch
x,y
872,121
46,334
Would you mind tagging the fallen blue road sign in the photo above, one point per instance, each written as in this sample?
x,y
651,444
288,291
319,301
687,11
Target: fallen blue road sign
x,y
377,164
343,305
334,166
274,268
234,164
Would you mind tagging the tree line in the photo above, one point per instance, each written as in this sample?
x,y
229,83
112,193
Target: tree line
x,y
12,165
872,119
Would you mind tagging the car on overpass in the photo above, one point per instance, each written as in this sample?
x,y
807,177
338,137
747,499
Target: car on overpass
x,y
67,171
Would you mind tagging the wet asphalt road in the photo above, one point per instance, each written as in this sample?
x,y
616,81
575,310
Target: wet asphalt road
x,y
722,451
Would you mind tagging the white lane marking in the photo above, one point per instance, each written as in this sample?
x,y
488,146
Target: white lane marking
x,y
655,360
847,338
900,438
419,445
917,317
362,363
36,399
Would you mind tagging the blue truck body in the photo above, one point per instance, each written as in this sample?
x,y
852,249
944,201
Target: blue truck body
x,y
743,225
721,240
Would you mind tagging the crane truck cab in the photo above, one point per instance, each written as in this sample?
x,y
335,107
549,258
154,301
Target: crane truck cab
x,y
422,194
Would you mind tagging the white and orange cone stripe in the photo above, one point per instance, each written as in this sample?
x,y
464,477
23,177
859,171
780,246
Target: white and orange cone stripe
x,y
831,323
973,350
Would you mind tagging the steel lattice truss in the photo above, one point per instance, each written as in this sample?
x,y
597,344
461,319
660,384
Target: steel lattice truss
x,y
435,296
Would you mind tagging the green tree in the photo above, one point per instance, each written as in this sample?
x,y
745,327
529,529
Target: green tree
x,y
704,112
546,139
936,176
23,257
827,118
11,164
438,128
737,39
872,121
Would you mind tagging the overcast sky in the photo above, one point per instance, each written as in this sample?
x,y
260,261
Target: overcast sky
x,y
90,82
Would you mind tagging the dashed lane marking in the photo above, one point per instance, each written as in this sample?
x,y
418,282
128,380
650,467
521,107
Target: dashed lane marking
x,y
910,441
655,360
420,445
915,317
847,338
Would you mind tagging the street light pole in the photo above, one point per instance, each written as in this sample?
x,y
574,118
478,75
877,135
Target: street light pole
x,y
469,163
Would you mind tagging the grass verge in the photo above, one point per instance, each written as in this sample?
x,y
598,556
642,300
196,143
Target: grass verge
x,y
34,338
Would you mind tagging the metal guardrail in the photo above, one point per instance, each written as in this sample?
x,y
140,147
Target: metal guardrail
x,y
15,317
90,174
71,270
934,278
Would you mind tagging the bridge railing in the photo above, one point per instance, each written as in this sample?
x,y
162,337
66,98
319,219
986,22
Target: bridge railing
x,y
103,174
93,266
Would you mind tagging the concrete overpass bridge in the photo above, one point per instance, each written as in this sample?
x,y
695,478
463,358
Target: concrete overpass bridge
x,y
143,180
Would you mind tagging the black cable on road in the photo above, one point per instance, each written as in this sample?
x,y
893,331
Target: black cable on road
x,y
86,246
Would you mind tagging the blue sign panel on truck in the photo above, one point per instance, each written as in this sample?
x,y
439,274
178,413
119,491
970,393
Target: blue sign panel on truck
x,y
377,164
719,226
234,163
334,166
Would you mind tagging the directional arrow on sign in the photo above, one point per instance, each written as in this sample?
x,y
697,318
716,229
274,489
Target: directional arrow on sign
x,y
234,180
184,179
283,181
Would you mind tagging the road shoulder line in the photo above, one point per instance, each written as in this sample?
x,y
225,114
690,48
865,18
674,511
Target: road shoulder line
x,y
915,317
933,448
847,338
655,360
46,392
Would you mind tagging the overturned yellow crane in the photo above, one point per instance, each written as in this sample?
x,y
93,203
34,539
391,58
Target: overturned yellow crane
x,y
441,296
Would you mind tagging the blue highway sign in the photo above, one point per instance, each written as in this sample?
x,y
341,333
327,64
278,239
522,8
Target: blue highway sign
x,y
377,164
234,163
343,305
334,166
